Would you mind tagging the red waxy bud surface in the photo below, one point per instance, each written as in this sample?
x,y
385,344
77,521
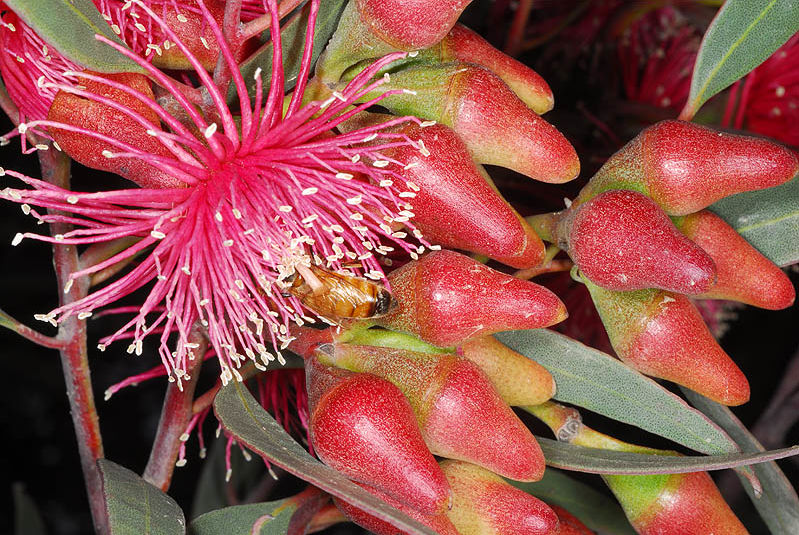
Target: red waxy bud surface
x,y
462,44
685,167
662,334
364,427
484,504
456,207
744,274
622,240
675,504
101,118
459,412
517,379
570,524
446,298
497,127
410,24
438,522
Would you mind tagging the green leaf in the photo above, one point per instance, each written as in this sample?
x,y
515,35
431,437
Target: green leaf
x,y
742,35
768,219
135,507
599,461
594,509
69,26
272,518
242,416
27,519
596,381
292,36
777,501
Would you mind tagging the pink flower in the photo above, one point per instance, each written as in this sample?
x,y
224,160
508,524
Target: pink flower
x,y
29,67
769,97
257,197
656,55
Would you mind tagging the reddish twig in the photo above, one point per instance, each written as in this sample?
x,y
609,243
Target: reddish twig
x,y
30,334
55,167
175,415
264,22
553,266
516,32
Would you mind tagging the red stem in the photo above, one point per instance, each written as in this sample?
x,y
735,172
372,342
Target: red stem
x,y
175,415
30,334
55,167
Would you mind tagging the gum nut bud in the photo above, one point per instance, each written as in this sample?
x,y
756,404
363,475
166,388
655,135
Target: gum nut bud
x,y
685,167
446,298
410,24
462,44
662,334
460,414
497,127
621,240
484,504
454,205
90,114
744,274
195,33
674,504
518,380
570,524
438,522
363,426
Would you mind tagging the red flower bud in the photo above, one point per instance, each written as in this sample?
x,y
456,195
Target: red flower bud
x,y
659,504
362,426
685,167
446,298
455,205
460,414
438,522
622,240
517,379
662,334
675,504
497,127
462,44
744,274
103,119
570,524
485,504
410,24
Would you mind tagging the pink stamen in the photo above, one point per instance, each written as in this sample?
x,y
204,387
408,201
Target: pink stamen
x,y
256,207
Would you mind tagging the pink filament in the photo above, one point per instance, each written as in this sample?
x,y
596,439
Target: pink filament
x,y
255,204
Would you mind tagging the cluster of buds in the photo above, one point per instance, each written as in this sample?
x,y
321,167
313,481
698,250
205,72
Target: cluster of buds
x,y
383,402
642,239
223,227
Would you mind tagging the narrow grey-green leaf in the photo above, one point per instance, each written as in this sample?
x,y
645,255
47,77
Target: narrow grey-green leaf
x,y
135,507
598,382
596,510
598,461
270,518
742,35
242,416
27,519
292,36
69,26
768,219
778,503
